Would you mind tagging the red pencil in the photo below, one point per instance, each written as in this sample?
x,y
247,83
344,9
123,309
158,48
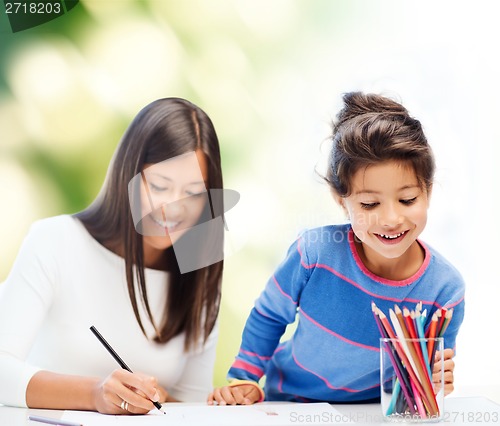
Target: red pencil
x,y
446,322
410,325
441,316
431,334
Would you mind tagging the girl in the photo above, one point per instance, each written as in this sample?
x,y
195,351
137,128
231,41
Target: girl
x,y
114,265
381,173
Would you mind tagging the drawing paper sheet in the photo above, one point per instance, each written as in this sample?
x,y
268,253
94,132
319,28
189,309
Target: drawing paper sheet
x,y
199,415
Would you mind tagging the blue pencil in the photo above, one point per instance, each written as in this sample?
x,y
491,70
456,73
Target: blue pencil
x,y
423,344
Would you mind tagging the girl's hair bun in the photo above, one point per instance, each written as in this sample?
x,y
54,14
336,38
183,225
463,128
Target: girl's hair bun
x,y
358,103
371,129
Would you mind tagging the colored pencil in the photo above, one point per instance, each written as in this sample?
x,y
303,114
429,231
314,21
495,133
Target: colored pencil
x,y
423,385
412,356
408,359
403,379
441,317
431,333
410,325
448,316
423,344
418,402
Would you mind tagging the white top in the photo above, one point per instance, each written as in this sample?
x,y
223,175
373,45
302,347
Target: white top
x,y
62,282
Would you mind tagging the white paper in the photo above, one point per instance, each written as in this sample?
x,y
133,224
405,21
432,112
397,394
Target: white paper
x,y
263,414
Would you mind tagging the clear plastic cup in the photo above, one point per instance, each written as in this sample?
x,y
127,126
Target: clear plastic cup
x,y
409,389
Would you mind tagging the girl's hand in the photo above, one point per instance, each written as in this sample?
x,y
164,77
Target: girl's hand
x,y
449,366
123,392
236,394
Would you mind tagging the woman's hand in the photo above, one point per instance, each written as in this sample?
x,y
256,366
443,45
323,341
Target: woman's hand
x,y
123,392
163,394
236,394
449,366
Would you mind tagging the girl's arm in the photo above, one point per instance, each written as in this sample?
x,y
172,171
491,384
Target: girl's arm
x,y
274,310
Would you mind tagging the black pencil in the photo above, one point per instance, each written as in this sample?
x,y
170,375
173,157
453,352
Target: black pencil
x,y
118,359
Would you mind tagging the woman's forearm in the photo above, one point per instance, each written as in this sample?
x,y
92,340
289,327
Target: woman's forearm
x,y
59,391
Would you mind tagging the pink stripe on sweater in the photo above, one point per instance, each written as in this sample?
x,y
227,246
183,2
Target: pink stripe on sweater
x,y
281,290
338,336
262,357
252,369
261,313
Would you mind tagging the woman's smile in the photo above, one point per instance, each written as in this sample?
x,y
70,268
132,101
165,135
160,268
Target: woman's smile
x,y
170,226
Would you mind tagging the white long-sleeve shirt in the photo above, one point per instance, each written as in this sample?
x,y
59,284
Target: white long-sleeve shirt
x,y
62,282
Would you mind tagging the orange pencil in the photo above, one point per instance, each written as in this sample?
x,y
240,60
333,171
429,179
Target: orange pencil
x,y
431,334
399,316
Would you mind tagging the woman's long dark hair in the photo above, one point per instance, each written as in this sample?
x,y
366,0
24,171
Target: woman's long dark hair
x,y
164,129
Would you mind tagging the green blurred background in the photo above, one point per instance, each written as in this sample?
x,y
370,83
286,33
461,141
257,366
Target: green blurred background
x,y
270,73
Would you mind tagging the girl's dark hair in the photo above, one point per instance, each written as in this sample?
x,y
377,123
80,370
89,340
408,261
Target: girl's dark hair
x,y
371,129
163,129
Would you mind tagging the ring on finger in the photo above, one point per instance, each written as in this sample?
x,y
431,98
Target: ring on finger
x,y
124,405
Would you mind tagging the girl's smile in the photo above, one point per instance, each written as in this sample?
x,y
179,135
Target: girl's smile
x,y
391,238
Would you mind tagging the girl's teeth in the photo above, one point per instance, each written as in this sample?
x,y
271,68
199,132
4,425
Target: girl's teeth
x,y
391,237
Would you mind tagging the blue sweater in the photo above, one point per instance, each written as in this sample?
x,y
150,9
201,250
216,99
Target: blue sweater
x,y
333,354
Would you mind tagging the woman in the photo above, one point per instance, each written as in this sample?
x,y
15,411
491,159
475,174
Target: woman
x,y
115,266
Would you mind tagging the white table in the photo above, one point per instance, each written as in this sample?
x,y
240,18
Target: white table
x,y
461,410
